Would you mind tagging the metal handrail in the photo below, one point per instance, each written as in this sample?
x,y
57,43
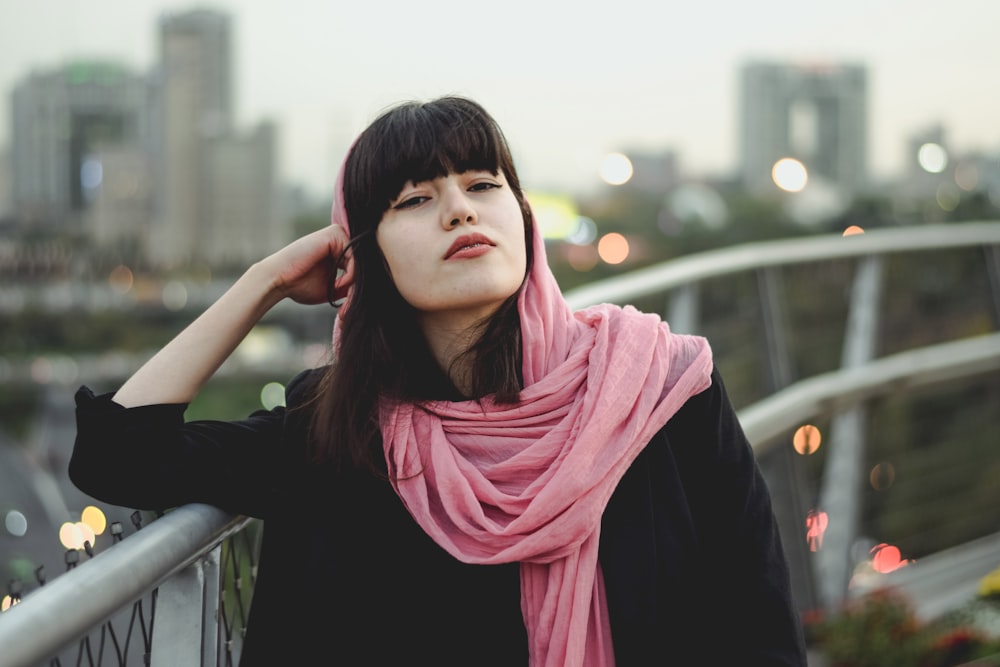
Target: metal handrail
x,y
828,393
98,589
673,273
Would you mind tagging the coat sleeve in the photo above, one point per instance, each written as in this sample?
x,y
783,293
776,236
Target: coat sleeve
x,y
149,458
745,579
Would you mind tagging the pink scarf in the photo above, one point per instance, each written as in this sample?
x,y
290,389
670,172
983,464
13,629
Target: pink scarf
x,y
529,483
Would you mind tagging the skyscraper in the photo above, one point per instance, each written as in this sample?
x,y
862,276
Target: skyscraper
x,y
195,88
62,120
217,193
149,167
816,114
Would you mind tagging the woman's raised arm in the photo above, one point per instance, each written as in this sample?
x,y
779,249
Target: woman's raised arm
x,y
300,271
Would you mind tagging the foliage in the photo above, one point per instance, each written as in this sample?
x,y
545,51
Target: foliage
x,y
882,630
229,398
879,630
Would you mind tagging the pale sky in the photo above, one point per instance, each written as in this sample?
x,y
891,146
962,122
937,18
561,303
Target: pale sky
x,y
568,81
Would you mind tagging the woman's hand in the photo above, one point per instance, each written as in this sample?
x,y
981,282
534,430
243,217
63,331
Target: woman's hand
x,y
304,269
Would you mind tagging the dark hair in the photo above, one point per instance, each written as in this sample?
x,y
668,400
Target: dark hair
x,y
382,351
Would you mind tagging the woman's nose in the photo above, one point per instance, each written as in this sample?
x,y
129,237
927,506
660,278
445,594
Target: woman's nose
x,y
457,209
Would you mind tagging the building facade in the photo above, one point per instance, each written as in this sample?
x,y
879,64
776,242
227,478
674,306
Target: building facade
x,y
149,167
194,85
817,114
243,203
217,187
61,120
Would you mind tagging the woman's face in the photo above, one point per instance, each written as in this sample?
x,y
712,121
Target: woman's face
x,y
455,245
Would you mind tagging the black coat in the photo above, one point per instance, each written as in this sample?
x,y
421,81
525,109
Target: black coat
x,y
692,560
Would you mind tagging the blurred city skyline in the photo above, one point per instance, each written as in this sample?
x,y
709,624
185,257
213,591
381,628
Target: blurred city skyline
x,y
567,84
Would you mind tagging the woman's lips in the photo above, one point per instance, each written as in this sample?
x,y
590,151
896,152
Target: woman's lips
x,y
470,245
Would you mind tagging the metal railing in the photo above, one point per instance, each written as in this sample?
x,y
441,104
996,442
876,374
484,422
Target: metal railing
x,y
178,555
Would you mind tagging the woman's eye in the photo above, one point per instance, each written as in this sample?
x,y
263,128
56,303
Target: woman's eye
x,y
485,185
410,202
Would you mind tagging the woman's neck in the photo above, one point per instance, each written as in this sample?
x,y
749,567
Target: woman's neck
x,y
449,338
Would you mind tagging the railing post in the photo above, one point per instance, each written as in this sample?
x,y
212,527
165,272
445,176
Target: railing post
x,y
770,289
684,309
182,617
211,620
784,478
841,485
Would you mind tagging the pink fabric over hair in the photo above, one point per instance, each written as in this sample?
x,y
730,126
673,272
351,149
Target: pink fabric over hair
x,y
529,482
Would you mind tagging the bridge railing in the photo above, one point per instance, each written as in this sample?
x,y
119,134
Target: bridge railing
x,y
179,559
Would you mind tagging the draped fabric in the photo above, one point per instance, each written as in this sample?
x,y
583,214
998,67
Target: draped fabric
x,y
528,483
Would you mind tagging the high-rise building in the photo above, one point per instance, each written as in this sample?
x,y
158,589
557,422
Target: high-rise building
x,y
216,188
120,213
243,206
816,114
654,173
195,90
61,121
149,167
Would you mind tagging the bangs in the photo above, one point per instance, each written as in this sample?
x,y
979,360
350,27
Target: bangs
x,y
427,143
420,142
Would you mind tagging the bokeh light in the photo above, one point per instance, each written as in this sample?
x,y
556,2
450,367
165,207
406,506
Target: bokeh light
x,y
556,215
70,536
616,169
315,355
853,230
91,173
16,523
948,197
582,258
7,603
966,176
86,534
272,395
789,174
174,295
882,476
807,439
57,368
584,231
263,342
816,523
94,517
613,248
695,202
121,279
932,158
886,558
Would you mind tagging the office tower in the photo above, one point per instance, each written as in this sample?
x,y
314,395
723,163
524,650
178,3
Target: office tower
x,y
654,173
62,122
148,167
816,114
217,193
195,104
242,209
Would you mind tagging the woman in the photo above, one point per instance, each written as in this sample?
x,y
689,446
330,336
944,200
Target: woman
x,y
481,476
